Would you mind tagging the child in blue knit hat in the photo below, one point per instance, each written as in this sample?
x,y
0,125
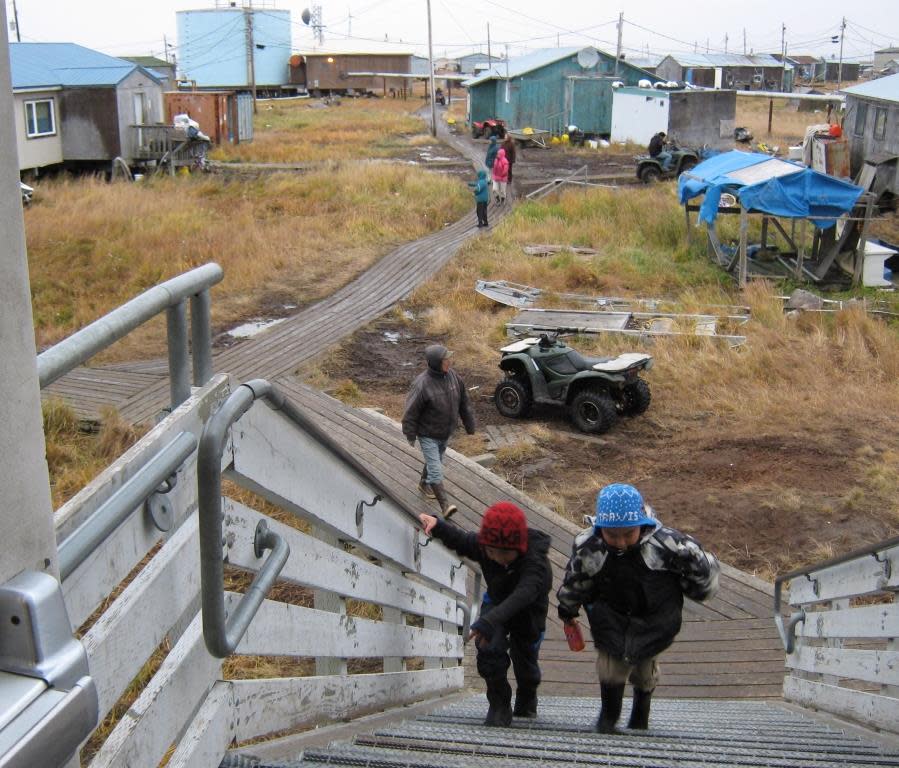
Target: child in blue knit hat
x,y
631,575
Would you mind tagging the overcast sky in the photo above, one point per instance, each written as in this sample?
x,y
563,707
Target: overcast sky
x,y
127,27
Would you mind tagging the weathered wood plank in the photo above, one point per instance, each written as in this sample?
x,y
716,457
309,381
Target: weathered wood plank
x,y
188,417
872,709
326,492
868,621
871,666
857,577
265,706
159,714
128,632
210,733
315,564
289,630
87,587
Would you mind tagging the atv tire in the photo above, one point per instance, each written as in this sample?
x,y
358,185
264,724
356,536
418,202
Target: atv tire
x,y
593,412
635,399
512,398
650,173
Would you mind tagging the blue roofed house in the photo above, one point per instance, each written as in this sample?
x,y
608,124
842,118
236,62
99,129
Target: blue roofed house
x,y
78,106
551,89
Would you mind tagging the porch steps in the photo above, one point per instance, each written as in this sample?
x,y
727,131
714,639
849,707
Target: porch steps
x,y
683,734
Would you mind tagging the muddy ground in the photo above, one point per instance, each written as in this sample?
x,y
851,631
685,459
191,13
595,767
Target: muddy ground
x,y
783,496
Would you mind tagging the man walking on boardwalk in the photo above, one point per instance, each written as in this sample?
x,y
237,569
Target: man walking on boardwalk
x,y
436,400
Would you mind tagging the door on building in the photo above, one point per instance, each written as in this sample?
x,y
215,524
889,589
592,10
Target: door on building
x,y
590,104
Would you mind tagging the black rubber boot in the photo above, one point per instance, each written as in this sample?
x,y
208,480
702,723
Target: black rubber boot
x,y
612,696
640,711
446,508
525,702
499,696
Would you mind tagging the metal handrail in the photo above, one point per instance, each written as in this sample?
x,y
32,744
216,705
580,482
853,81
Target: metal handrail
x,y
220,633
85,539
170,296
787,636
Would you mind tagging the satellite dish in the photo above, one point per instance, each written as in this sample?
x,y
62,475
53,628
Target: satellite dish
x,y
587,58
306,16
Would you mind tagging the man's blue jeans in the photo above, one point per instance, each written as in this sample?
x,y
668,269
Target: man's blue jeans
x,y
433,451
664,157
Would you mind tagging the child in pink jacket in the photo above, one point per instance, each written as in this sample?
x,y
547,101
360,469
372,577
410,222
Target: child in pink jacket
x,y
500,176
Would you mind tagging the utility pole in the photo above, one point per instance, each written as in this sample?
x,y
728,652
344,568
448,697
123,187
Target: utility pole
x,y
725,42
431,75
783,54
251,53
744,41
15,20
349,22
489,56
839,68
618,49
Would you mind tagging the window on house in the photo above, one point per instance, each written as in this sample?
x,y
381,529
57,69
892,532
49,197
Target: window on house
x,y
861,114
880,123
40,119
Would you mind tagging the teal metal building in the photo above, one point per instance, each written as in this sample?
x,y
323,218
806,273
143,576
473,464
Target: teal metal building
x,y
552,89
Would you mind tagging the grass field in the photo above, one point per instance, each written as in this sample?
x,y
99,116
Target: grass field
x,y
729,429
285,239
347,129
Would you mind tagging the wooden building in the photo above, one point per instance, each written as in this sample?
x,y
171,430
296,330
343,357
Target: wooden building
x,y
761,72
872,124
350,72
552,89
86,104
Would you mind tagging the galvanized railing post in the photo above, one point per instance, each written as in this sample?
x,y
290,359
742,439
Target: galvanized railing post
x,y
201,337
179,360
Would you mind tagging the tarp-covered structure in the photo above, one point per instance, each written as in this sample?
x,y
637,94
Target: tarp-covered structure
x,y
768,185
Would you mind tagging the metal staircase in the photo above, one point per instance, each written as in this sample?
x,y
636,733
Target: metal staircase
x,y
682,734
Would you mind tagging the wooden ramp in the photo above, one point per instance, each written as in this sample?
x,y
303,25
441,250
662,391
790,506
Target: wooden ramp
x,y
728,648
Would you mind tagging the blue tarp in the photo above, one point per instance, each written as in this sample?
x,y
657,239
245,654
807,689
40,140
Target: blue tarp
x,y
803,194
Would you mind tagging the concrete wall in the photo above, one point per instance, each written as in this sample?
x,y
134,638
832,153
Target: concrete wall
x,y
137,85
862,143
90,125
39,151
26,522
703,118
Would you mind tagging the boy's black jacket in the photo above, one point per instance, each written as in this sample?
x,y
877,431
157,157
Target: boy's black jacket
x,y
519,593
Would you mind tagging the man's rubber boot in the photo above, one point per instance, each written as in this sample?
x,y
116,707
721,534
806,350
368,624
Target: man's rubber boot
x,y
612,696
423,484
499,697
640,711
525,702
446,508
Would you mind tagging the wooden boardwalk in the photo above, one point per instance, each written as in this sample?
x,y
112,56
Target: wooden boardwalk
x,y
727,649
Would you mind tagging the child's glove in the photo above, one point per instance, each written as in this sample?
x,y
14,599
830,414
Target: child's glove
x,y
481,633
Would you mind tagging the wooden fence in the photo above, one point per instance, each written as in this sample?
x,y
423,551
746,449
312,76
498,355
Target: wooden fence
x,y
140,592
846,655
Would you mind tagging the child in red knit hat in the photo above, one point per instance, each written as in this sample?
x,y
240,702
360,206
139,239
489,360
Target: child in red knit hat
x,y
509,629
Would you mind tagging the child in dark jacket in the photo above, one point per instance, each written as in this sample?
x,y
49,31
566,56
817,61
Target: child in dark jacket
x,y
509,629
631,575
481,189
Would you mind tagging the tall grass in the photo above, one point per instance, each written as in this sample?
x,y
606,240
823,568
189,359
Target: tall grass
x,y
281,239
788,124
309,131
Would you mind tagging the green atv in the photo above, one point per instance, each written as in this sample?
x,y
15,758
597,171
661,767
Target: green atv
x,y
649,169
596,390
